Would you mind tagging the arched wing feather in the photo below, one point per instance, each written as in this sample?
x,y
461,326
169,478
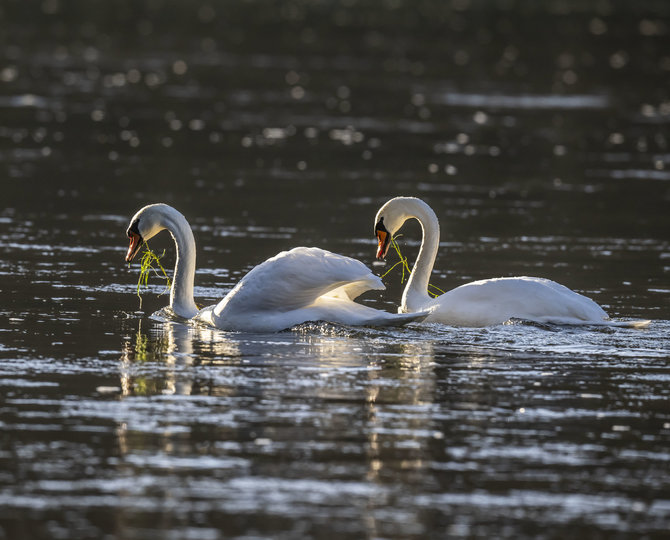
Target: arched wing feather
x,y
295,279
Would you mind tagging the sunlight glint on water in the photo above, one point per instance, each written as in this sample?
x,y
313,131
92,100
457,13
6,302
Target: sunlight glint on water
x,y
538,136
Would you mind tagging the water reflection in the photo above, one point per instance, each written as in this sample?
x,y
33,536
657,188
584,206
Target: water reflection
x,y
319,349
538,133
324,395
162,348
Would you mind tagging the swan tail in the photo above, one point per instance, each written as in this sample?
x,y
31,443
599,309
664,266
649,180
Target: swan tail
x,y
396,319
636,323
571,321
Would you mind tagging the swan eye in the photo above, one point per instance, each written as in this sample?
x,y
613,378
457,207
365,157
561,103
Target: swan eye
x,y
134,228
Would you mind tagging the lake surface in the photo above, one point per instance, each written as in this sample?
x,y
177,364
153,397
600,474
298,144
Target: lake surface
x,y
539,135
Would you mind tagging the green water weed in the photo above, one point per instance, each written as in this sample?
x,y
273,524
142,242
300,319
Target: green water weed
x,y
433,290
150,263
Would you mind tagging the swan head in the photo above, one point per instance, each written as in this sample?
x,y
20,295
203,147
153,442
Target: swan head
x,y
145,224
388,221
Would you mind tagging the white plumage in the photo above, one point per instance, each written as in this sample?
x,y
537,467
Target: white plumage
x,y
486,302
494,301
296,286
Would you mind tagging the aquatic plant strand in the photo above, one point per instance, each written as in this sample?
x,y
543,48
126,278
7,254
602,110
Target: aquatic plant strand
x,y
147,262
405,268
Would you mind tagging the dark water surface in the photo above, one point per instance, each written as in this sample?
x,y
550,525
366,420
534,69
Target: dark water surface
x,y
538,134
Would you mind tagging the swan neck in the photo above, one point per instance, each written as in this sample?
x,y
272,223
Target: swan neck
x,y
181,293
416,294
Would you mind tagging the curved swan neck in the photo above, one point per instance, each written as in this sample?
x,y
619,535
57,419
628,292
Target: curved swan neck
x,y
181,293
416,292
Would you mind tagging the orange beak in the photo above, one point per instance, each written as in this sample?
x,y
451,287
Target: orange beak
x,y
383,242
135,244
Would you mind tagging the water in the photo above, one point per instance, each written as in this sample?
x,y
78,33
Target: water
x,y
538,135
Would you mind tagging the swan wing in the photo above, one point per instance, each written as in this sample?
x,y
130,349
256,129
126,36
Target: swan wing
x,y
295,279
351,291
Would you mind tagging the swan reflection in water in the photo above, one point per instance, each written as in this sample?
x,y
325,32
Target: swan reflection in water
x,y
326,393
174,356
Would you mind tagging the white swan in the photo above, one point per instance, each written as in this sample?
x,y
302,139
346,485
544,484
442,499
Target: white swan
x,y
304,284
480,303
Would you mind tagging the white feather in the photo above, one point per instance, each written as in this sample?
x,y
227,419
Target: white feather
x,y
293,287
490,301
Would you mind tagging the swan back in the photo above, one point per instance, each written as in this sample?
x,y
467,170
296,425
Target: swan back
x,y
295,279
494,301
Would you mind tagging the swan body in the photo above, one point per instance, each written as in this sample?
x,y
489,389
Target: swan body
x,y
480,303
296,286
489,302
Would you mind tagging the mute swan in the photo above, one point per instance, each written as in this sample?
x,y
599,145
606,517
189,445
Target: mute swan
x,y
304,284
485,302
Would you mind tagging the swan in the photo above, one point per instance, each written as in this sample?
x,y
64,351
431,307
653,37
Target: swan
x,y
480,303
296,286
